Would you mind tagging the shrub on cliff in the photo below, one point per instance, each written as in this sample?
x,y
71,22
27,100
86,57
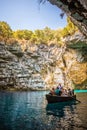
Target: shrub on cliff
x,y
5,31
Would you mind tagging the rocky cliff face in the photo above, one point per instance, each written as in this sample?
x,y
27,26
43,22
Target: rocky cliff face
x,y
76,10
40,67
18,69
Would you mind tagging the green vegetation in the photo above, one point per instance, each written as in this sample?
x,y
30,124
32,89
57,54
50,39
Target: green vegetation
x,y
5,31
69,29
22,34
80,45
46,36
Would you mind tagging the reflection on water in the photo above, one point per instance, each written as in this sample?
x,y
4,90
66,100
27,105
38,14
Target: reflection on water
x,y
30,111
59,109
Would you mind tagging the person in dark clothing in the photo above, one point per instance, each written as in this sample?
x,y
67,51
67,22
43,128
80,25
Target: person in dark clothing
x,y
52,91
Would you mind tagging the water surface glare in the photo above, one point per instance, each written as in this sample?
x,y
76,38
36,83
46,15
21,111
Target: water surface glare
x,y
30,111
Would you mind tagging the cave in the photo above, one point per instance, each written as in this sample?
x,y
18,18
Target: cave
x,y
76,10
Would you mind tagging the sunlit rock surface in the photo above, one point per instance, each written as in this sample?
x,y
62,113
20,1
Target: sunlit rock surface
x,y
40,67
78,72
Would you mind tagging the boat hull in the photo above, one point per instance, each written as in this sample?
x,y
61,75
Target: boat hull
x,y
55,98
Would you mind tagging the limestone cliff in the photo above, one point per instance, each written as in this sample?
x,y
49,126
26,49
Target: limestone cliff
x,y
40,67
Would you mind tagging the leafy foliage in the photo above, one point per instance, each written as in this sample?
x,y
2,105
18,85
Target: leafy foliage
x,y
5,31
80,45
69,29
46,36
23,34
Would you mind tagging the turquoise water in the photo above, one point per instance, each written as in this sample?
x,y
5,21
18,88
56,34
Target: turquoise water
x,y
81,91
30,111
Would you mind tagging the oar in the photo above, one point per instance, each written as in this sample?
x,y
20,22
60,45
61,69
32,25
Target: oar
x,y
76,100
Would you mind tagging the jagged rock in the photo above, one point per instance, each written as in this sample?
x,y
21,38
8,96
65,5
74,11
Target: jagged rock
x,y
79,43
15,49
37,69
76,10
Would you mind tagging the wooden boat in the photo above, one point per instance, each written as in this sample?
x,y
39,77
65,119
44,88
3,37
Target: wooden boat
x,y
54,98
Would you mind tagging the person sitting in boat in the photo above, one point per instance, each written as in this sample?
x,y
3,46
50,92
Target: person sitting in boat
x,y
72,91
65,93
60,89
69,92
52,91
60,86
57,91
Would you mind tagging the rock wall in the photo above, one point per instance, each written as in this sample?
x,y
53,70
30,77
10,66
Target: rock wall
x,y
76,10
40,67
29,70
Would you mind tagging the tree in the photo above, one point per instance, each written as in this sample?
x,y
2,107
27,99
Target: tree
x,y
39,35
27,34
18,34
5,31
33,38
48,35
70,26
23,34
69,29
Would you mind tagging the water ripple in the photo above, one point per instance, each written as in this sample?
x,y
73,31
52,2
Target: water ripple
x,y
30,111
